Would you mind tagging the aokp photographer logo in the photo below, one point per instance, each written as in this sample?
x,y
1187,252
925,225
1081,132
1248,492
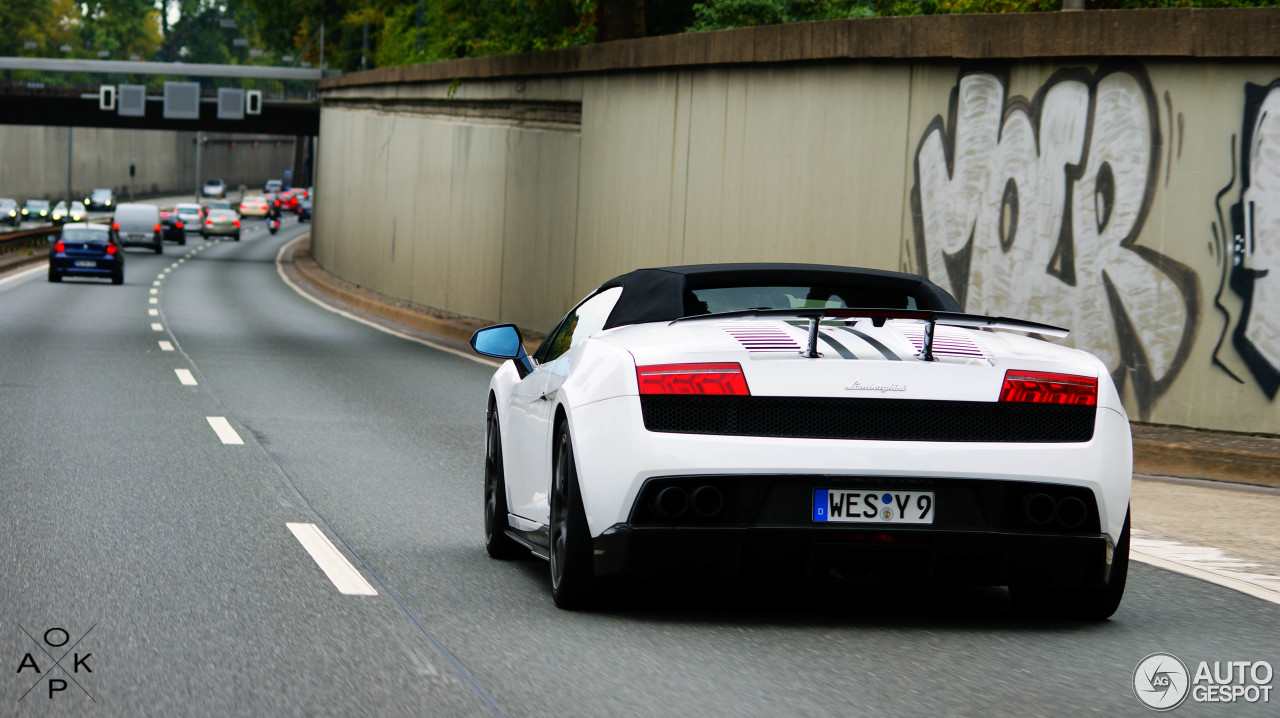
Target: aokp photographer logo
x,y
52,658
1161,681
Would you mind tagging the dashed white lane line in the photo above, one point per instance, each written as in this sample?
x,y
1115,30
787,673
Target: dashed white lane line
x,y
166,346
156,283
153,312
185,377
1207,564
153,300
341,573
223,429
173,266
154,290
157,327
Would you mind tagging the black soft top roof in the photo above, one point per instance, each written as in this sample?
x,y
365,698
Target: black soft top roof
x,y
657,294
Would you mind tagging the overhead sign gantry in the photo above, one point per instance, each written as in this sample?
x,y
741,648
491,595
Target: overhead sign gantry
x,y
112,93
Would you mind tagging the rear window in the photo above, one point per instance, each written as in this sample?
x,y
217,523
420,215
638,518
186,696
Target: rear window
x,y
137,215
713,300
85,234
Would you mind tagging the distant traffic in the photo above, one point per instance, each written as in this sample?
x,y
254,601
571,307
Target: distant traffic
x,y
91,235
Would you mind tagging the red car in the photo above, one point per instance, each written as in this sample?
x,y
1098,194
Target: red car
x,y
288,200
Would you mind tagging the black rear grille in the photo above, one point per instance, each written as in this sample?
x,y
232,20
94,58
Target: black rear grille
x,y
873,419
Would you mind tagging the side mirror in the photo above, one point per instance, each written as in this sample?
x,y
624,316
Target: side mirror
x,y
503,341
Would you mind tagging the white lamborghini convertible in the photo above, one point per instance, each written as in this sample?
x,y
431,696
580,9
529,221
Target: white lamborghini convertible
x,y
820,422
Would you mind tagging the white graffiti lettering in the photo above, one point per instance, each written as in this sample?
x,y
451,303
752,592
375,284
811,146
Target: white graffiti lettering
x,y
1033,209
1254,252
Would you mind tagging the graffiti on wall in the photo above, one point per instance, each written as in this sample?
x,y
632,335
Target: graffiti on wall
x,y
1033,208
1248,244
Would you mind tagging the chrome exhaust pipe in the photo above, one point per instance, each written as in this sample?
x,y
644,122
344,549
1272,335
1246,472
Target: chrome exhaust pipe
x,y
671,502
1072,512
708,501
1039,509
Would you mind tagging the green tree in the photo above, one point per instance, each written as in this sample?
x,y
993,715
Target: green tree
x,y
48,23
120,27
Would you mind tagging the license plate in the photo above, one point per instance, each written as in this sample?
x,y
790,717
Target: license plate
x,y
86,263
872,506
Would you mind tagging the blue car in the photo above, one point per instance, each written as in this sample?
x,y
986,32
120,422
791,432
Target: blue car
x,y
86,250
304,210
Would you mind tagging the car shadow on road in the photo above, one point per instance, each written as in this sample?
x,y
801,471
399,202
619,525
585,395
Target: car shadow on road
x,y
684,599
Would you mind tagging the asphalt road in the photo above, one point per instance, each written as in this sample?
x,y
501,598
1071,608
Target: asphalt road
x,y
123,515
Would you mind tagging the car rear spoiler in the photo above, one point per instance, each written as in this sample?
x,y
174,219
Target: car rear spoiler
x,y
878,317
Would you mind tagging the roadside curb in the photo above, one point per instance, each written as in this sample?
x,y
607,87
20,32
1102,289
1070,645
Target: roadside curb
x,y
1157,450
452,328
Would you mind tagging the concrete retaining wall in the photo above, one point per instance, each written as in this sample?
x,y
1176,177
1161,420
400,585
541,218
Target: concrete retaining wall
x,y
1133,200
33,160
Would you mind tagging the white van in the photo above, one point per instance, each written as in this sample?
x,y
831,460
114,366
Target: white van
x,y
138,225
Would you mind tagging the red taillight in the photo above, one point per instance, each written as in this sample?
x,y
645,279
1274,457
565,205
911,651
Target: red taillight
x,y
111,248
1040,387
59,246
178,225
712,379
277,203
236,223
115,226
208,223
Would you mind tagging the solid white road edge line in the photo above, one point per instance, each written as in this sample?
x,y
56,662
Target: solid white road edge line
x,y
166,346
23,274
1206,564
184,376
341,573
366,322
223,429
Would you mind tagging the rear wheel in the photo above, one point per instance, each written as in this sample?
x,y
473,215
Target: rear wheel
x,y
237,236
159,247
117,278
54,276
1094,602
572,577
496,540
182,241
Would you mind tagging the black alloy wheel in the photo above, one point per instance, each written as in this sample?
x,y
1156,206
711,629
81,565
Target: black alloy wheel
x,y
496,541
572,575
1091,603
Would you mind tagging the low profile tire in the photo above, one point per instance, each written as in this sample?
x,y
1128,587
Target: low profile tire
x,y
1091,603
182,242
237,236
572,574
117,278
160,248
54,276
496,541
